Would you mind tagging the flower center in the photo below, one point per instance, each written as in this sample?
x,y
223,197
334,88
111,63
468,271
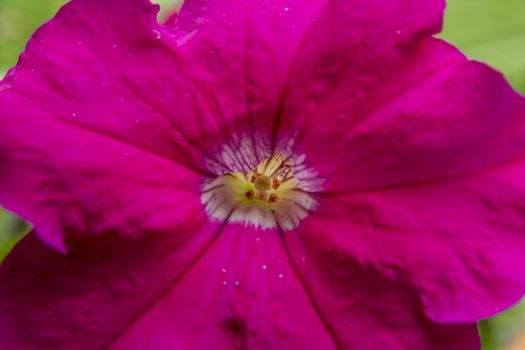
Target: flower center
x,y
269,195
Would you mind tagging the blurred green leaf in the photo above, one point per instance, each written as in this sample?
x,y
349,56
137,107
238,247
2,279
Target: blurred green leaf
x,y
492,31
12,229
18,20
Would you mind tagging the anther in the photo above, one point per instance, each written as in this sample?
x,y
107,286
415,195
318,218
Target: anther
x,y
276,183
250,194
273,198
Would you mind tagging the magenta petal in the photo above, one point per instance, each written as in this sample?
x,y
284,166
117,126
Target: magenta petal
x,y
86,299
171,19
355,55
110,127
458,242
66,178
85,146
374,105
217,289
242,294
363,305
240,53
450,117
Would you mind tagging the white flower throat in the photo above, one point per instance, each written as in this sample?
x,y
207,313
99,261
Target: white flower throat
x,y
275,193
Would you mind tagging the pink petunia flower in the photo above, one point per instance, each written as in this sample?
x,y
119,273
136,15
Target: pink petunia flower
x,y
284,174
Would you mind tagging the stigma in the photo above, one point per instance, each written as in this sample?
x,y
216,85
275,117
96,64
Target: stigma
x,y
270,194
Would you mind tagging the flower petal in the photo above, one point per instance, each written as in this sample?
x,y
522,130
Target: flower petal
x,y
225,287
354,105
85,144
353,56
364,306
83,299
446,116
459,241
171,18
263,53
62,177
240,53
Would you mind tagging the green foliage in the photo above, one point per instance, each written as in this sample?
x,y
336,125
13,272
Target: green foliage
x,y
11,230
492,31
18,19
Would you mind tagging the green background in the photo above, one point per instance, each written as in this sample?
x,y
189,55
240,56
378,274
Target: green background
x,y
491,31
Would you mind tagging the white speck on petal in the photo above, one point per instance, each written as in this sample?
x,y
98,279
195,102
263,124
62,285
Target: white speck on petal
x,y
265,267
5,86
224,270
258,239
73,114
186,37
280,275
156,33
224,282
114,46
286,9
303,258
237,283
